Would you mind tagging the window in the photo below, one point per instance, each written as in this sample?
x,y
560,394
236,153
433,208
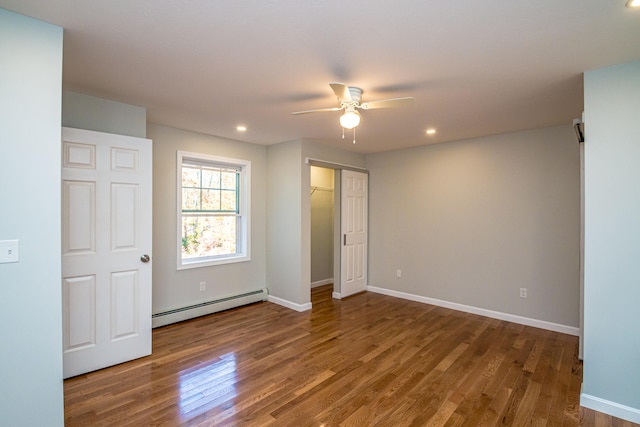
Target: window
x,y
213,210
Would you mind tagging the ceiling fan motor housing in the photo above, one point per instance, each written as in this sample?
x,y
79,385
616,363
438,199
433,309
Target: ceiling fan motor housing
x,y
356,94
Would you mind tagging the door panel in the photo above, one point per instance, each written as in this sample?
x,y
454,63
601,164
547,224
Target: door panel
x,y
79,292
79,209
354,206
79,155
124,302
124,212
106,228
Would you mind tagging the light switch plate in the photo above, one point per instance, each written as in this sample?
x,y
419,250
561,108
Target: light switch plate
x,y
9,251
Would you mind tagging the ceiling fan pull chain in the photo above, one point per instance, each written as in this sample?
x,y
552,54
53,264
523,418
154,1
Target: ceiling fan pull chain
x,y
342,133
354,135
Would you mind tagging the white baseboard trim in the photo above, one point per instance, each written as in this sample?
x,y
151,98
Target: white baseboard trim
x,y
336,295
564,329
322,282
611,408
289,304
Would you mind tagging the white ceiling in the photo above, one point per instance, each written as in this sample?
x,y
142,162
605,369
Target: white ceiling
x,y
474,67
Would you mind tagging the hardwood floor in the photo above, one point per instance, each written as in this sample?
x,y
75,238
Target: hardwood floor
x,y
368,360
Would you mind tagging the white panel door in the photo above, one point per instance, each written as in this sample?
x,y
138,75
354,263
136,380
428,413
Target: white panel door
x,y
106,244
354,217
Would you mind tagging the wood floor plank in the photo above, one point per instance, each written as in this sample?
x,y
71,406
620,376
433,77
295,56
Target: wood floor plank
x,y
367,360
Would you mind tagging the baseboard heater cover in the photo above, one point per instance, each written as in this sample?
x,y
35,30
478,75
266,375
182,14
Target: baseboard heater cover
x,y
207,307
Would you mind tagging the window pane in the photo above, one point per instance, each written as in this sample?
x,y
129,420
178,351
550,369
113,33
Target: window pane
x,y
229,181
229,201
211,200
190,177
211,226
208,236
211,178
190,199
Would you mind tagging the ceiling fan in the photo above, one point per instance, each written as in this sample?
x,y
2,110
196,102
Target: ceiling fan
x,y
349,98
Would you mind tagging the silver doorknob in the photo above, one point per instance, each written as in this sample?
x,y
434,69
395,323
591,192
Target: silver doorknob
x,y
145,258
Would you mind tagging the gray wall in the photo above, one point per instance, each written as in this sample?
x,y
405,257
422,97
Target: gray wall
x,y
289,215
472,222
102,115
30,297
173,288
284,260
612,238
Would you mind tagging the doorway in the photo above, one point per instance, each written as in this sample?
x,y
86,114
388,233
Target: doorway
x,y
323,208
344,240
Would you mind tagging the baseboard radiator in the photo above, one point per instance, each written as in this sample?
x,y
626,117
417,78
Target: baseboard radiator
x,y
207,307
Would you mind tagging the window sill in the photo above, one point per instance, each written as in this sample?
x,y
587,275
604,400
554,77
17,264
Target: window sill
x,y
187,265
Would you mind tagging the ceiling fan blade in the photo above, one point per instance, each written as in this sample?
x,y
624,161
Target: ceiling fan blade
x,y
319,110
387,103
342,91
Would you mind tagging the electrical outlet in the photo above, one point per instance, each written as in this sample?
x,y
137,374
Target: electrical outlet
x,y
523,292
398,273
203,286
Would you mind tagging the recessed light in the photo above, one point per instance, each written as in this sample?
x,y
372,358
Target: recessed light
x,y
633,3
241,128
431,131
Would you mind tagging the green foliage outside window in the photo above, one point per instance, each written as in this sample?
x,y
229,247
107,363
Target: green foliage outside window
x,y
210,209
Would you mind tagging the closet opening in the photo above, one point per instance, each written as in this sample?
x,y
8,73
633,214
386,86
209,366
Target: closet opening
x,y
323,226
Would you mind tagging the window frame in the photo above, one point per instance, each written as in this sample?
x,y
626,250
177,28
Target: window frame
x,y
243,240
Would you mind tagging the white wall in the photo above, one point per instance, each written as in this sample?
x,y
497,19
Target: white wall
x,y
472,222
612,241
176,289
321,225
30,296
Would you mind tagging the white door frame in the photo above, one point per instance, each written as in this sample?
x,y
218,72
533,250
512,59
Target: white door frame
x,y
338,239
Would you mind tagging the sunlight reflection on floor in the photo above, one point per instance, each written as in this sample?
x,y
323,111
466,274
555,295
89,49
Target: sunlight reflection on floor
x,y
208,386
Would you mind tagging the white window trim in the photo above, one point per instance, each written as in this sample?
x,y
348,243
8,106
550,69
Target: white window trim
x,y
244,239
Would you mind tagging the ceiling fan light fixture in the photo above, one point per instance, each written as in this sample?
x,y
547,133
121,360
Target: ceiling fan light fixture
x,y
633,3
350,119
